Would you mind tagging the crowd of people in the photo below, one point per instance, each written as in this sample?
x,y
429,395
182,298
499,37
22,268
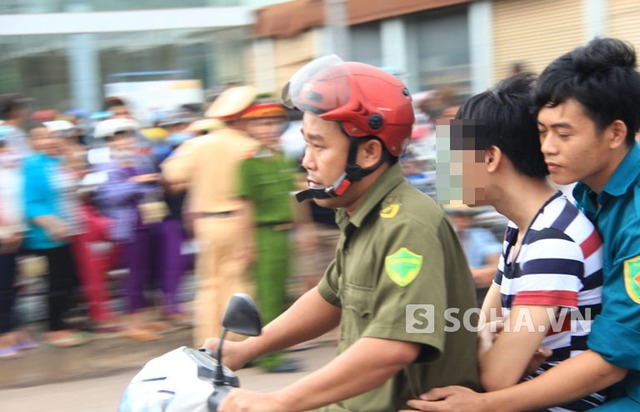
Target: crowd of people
x,y
66,200
120,196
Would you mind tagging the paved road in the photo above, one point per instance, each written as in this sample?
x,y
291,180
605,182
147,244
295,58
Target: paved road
x,y
103,394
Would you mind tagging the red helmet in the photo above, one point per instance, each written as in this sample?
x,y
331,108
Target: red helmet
x,y
364,99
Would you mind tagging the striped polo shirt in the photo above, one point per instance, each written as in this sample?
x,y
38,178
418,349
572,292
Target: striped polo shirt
x,y
559,264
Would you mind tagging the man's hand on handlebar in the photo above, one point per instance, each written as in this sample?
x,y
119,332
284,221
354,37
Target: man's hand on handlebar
x,y
232,353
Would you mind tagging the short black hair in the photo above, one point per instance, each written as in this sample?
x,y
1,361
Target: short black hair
x,y
110,102
602,77
11,102
503,117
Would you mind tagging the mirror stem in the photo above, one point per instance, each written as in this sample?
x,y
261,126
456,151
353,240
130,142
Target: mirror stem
x,y
219,377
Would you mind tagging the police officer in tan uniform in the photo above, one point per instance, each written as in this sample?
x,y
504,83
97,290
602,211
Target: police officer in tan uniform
x,y
209,165
399,266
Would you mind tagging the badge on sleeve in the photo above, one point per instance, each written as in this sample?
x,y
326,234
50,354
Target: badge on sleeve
x,y
403,266
632,278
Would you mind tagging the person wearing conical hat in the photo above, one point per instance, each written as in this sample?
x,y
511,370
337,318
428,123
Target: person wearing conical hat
x,y
209,166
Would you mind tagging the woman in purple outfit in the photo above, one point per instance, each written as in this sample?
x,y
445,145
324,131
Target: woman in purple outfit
x,y
131,195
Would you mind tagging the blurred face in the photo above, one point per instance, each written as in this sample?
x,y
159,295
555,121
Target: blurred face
x,y
121,142
325,157
41,140
467,166
572,146
121,112
475,181
267,130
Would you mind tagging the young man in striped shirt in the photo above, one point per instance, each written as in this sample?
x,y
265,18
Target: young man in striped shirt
x,y
548,285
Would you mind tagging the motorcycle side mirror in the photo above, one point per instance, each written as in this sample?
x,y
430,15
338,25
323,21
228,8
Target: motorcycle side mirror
x,y
242,316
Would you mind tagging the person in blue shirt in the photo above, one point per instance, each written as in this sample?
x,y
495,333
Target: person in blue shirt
x,y
588,103
480,246
50,209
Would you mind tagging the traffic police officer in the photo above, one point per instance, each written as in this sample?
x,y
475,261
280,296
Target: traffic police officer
x,y
398,265
209,165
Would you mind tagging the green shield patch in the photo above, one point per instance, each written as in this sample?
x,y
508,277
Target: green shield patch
x,y
403,266
632,278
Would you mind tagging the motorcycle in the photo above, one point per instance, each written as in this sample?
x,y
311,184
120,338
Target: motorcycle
x,y
187,379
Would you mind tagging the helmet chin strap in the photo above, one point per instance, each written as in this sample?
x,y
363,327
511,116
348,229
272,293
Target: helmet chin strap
x,y
352,173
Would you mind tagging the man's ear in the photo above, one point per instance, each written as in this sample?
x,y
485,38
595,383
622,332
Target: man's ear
x,y
616,133
492,158
369,153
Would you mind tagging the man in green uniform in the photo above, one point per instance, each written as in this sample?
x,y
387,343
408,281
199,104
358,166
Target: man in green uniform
x,y
267,180
399,275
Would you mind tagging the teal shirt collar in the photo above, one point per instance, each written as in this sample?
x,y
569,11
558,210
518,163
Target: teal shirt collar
x,y
391,178
624,176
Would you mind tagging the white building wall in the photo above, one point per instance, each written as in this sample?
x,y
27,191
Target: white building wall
x,y
394,44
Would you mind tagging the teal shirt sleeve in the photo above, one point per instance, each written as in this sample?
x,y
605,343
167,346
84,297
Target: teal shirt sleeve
x,y
619,320
37,192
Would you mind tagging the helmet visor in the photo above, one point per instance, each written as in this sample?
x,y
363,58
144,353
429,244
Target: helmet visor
x,y
320,86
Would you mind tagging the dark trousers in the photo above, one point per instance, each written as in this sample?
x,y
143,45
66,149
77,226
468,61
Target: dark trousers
x,y
7,291
155,250
63,281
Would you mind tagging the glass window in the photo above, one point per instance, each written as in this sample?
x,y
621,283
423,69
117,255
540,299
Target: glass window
x,y
35,66
365,43
39,66
440,52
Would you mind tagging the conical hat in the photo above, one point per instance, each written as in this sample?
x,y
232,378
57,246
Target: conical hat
x,y
232,102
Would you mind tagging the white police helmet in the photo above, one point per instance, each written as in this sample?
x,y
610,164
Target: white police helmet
x,y
109,127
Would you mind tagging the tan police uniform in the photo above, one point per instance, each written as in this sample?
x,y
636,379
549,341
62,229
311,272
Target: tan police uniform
x,y
209,164
398,267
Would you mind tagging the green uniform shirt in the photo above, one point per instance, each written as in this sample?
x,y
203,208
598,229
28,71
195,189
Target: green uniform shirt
x,y
398,267
267,179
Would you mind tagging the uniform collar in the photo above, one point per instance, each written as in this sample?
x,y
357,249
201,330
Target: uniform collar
x,y
618,184
391,178
625,174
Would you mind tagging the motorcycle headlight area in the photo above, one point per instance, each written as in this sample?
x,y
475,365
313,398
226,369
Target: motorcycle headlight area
x,y
180,380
